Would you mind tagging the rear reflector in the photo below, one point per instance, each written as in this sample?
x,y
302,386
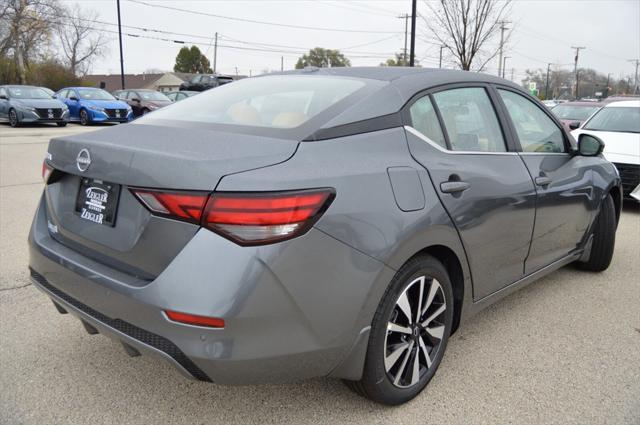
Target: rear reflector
x,y
265,217
192,319
246,218
183,205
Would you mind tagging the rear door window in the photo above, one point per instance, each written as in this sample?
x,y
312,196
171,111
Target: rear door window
x,y
536,131
425,120
470,120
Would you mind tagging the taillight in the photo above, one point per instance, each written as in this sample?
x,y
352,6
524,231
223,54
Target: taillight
x,y
265,217
181,205
46,171
192,319
246,218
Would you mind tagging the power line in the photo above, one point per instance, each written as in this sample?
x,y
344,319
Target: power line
x,y
254,21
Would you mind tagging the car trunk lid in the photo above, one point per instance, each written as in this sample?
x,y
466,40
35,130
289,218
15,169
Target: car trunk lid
x,y
147,156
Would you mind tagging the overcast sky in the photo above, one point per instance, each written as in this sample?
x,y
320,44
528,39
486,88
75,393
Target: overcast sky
x,y
543,31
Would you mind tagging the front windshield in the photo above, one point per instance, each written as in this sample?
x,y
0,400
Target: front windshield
x,y
622,119
273,101
153,95
95,94
574,112
27,93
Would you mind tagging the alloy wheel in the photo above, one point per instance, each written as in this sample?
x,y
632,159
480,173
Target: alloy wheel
x,y
84,118
13,118
415,331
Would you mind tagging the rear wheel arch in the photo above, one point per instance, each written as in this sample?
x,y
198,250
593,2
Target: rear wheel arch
x,y
452,263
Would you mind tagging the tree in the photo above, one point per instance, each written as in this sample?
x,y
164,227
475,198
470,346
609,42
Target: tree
x,y
52,74
322,58
192,60
399,60
466,28
81,44
26,27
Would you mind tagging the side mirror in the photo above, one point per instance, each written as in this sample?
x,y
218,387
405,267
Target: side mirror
x,y
73,98
54,96
575,124
135,99
589,145
2,96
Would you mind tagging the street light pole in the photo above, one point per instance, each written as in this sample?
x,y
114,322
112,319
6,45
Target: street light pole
x,y
635,82
215,53
412,58
406,30
546,87
120,39
575,67
503,27
504,64
440,63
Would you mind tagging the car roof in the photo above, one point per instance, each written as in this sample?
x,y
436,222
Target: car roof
x,y
395,86
10,86
624,104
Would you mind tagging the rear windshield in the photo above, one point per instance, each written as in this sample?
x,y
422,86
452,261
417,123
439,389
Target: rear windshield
x,y
574,112
278,102
622,119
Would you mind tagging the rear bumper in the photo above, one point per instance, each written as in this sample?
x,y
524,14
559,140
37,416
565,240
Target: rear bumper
x,y
289,314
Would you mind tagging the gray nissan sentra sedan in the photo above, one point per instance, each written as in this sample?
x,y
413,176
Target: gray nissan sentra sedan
x,y
326,222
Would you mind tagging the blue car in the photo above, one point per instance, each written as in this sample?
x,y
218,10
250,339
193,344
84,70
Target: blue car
x,y
89,105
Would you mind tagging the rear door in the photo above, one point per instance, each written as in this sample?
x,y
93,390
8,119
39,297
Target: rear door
x,y
563,181
456,135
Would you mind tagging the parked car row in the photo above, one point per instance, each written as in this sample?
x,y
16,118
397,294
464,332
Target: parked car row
x,y
21,104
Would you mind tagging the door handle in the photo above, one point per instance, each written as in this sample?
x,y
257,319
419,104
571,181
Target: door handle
x,y
454,186
543,181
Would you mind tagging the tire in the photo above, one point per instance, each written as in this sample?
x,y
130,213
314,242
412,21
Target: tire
x,y
389,378
84,117
13,118
61,124
604,238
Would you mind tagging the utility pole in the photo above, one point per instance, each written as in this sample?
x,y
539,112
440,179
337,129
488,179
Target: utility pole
x,y
608,77
575,67
546,86
635,82
513,71
215,53
503,28
120,39
281,63
406,30
412,58
440,63
504,64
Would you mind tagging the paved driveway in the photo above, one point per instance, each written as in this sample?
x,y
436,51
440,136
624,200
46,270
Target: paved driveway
x,y
563,350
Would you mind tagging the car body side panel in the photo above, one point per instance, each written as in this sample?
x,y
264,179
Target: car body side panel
x,y
494,216
564,208
364,214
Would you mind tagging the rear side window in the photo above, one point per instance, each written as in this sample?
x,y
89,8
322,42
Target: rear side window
x,y
470,120
425,120
280,102
536,131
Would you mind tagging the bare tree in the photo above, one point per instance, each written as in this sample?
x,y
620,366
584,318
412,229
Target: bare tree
x,y
81,41
25,30
466,28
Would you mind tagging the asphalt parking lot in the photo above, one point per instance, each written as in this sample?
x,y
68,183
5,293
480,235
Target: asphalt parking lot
x,y
564,350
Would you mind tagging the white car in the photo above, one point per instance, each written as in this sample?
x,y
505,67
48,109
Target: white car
x,y
618,125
